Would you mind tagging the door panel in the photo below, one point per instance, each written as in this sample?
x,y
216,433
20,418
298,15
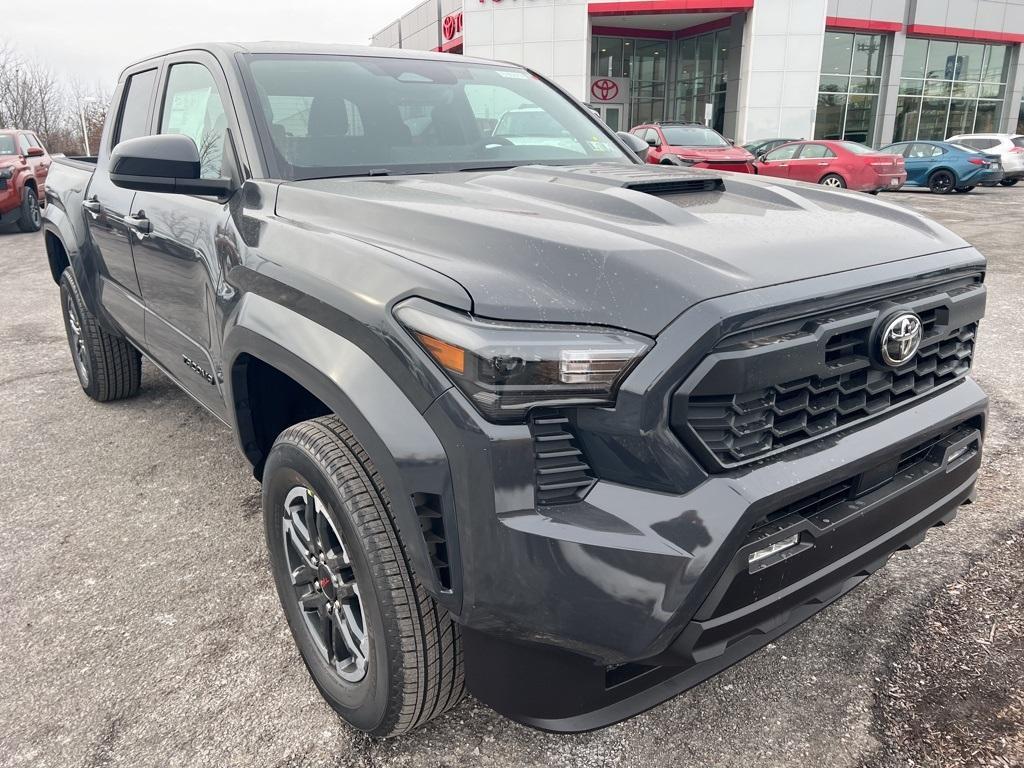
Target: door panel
x,y
176,251
178,273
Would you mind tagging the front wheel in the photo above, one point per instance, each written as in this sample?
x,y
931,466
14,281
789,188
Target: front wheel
x,y
383,653
835,181
1009,182
964,190
31,220
941,182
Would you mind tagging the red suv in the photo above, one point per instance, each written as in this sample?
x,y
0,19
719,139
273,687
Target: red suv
x,y
24,164
694,145
842,164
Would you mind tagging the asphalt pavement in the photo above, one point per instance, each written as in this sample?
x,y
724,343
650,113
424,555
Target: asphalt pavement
x,y
139,625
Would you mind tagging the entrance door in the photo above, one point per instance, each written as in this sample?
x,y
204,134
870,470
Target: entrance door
x,y
612,114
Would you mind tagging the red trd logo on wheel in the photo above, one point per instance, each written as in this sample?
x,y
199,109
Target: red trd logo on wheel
x,y
604,90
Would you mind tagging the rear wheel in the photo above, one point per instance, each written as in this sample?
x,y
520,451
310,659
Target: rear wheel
x,y
31,219
383,653
941,182
835,181
108,366
1009,182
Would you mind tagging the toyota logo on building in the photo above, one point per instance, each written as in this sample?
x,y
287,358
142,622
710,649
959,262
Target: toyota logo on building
x,y
604,89
900,339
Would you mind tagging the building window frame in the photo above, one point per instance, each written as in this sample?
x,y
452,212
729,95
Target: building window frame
x,y
858,81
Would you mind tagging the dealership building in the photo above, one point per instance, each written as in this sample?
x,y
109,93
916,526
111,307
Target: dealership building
x,y
872,71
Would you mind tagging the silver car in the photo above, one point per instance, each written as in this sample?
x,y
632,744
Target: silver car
x,y
1009,147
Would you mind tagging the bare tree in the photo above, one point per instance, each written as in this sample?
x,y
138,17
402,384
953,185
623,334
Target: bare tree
x,y
60,112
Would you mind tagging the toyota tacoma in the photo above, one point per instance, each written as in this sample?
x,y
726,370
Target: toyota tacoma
x,y
531,418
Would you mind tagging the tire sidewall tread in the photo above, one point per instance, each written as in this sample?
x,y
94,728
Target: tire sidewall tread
x,y
421,648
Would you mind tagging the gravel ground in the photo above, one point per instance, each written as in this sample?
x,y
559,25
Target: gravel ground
x,y
139,625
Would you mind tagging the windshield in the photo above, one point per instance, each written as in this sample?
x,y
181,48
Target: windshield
x,y
7,145
692,136
354,115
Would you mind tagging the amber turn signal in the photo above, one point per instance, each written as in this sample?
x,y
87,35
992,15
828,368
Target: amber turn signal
x,y
447,355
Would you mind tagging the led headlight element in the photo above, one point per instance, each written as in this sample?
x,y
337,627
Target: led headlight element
x,y
507,368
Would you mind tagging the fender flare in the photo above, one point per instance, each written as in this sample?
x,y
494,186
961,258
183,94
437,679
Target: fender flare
x,y
399,441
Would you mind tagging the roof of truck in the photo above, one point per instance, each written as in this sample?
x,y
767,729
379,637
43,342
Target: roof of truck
x,y
226,50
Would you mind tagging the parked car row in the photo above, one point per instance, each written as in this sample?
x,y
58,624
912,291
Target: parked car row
x,y
957,165
24,165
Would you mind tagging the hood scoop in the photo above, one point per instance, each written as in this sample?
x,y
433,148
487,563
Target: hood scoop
x,y
651,179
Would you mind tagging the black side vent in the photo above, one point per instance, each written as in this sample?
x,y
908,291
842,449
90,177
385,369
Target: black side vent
x,y
678,186
428,509
563,475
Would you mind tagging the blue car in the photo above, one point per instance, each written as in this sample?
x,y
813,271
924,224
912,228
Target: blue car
x,y
944,167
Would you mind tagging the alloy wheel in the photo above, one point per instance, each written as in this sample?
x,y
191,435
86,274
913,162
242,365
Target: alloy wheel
x,y
941,183
33,211
833,181
324,584
77,340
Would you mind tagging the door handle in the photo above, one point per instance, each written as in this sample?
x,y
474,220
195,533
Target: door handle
x,y
822,164
92,205
139,223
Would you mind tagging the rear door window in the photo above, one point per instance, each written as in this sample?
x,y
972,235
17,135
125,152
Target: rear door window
x,y
816,152
134,118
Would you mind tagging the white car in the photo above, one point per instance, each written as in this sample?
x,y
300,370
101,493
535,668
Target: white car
x,y
1009,147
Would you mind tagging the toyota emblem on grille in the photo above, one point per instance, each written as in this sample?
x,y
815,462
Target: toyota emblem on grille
x,y
901,339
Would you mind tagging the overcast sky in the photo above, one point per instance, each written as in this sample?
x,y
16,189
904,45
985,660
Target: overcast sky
x,y
92,40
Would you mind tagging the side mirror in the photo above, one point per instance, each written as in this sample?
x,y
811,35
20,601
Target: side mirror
x,y
35,152
763,158
732,142
655,142
635,143
165,163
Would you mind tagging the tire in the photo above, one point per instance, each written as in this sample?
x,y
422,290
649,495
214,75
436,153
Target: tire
x,y
941,183
108,366
1009,182
964,190
31,220
408,647
833,180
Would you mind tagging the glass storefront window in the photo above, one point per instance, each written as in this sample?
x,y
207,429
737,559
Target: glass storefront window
x,y
702,77
962,84
851,78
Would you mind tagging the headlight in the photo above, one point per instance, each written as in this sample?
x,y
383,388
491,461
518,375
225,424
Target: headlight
x,y
508,368
6,173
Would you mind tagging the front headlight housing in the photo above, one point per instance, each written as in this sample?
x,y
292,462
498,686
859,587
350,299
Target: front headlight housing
x,y
508,368
6,173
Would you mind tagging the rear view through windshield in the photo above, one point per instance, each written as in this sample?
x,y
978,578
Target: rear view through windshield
x,y
351,115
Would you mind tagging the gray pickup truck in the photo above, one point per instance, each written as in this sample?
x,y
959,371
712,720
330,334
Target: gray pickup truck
x,y
530,417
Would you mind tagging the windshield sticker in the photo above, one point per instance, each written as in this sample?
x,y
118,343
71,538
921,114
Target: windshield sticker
x,y
515,74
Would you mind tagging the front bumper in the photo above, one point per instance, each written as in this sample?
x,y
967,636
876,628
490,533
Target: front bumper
x,y
595,622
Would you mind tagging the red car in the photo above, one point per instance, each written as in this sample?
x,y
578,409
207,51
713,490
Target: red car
x,y
24,164
693,145
840,164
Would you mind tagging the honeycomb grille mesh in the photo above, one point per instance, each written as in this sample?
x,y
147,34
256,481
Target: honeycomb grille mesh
x,y
748,425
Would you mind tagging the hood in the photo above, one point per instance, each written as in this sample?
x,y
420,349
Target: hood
x,y
625,246
713,153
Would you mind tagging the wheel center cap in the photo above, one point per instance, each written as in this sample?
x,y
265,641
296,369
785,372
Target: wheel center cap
x,y
323,575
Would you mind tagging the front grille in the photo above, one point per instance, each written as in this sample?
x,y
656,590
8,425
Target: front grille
x,y
562,472
840,385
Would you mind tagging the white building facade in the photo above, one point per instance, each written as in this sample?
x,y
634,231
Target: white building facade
x,y
872,71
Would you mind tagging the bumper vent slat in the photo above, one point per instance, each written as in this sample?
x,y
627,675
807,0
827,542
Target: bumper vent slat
x,y
562,473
